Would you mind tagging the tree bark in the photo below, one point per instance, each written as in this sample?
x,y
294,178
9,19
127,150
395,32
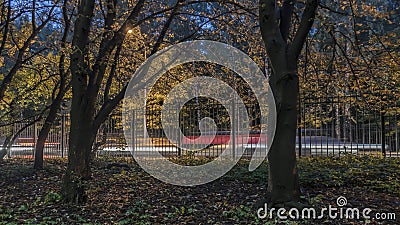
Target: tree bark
x,y
82,110
275,24
87,79
63,87
4,148
38,163
78,169
283,183
44,132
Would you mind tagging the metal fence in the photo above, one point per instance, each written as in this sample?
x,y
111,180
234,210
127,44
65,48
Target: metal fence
x,y
197,137
326,126
348,124
23,137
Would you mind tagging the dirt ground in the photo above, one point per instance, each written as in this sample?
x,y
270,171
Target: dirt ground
x,y
128,195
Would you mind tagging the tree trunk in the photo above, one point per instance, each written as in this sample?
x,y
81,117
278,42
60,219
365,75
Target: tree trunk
x,y
283,52
82,109
43,133
55,106
283,184
3,153
78,169
4,148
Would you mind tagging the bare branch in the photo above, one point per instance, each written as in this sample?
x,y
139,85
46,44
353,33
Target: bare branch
x,y
306,23
165,28
269,27
106,48
286,18
21,53
6,27
33,15
112,73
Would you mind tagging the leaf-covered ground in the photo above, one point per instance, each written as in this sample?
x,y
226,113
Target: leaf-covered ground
x,y
120,195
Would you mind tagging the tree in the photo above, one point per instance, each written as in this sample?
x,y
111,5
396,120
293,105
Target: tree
x,y
20,49
90,72
60,88
350,61
275,18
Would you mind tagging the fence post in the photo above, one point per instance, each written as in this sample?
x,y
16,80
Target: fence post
x,y
35,135
299,127
234,130
133,132
299,136
383,133
62,134
177,134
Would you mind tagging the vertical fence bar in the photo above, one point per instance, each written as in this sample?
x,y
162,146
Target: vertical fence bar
x,y
133,132
179,130
396,148
233,128
62,134
299,127
383,133
35,135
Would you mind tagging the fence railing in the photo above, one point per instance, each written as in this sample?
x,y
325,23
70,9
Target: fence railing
x,y
330,126
23,146
348,124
